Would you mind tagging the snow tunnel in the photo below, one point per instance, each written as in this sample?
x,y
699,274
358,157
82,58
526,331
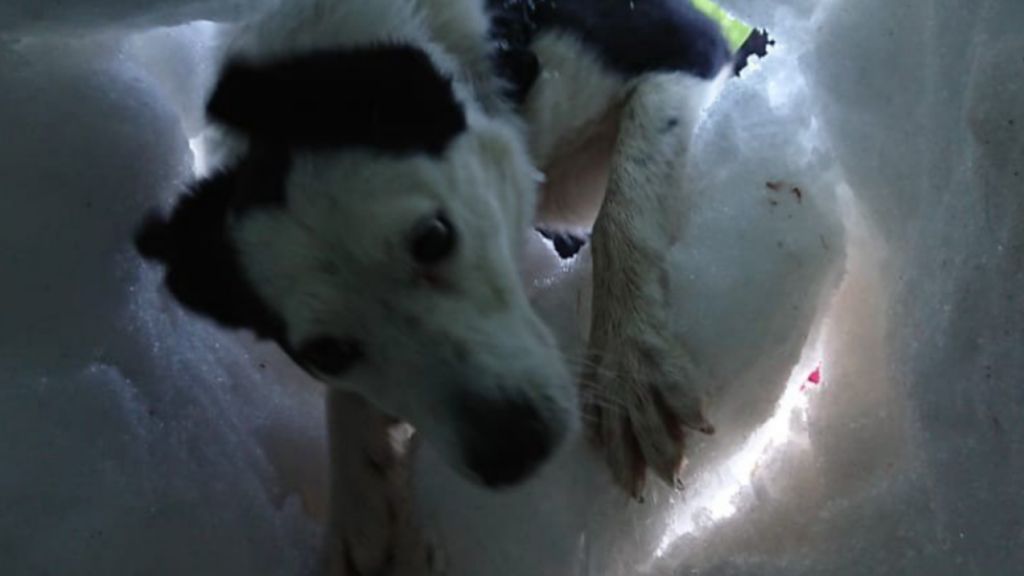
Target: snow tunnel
x,y
850,275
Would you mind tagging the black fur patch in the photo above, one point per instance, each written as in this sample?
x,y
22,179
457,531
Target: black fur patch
x,y
203,270
630,36
390,98
260,177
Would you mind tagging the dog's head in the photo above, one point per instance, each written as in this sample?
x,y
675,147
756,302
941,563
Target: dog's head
x,y
372,230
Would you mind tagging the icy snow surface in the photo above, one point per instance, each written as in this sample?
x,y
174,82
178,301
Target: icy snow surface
x,y
857,205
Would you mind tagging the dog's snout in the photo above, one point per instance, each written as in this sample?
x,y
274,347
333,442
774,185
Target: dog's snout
x,y
506,440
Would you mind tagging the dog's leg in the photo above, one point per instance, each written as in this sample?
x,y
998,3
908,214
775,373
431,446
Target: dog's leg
x,y
640,388
370,529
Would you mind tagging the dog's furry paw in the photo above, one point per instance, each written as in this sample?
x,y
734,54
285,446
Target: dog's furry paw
x,y
372,528
402,557
366,540
640,390
638,398
380,538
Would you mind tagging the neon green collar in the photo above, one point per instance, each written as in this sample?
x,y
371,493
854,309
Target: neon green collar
x,y
735,32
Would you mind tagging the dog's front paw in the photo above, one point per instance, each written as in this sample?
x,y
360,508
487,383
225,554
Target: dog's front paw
x,y
405,556
364,532
639,395
372,528
385,543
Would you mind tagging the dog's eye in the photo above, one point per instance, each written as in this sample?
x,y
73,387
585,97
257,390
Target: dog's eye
x,y
433,239
329,356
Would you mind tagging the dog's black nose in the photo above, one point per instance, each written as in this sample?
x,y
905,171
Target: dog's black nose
x,y
505,440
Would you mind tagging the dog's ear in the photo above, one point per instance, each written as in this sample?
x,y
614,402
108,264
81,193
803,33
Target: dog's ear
x,y
202,268
391,98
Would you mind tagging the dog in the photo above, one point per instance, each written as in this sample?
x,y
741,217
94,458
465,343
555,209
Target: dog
x,y
386,161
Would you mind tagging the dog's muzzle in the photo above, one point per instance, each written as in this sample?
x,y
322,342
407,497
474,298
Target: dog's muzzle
x,y
505,440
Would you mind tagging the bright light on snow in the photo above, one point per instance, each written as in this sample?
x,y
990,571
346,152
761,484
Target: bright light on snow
x,y
713,497
200,156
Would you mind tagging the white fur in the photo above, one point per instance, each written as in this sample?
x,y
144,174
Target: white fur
x,y
573,110
336,263
572,93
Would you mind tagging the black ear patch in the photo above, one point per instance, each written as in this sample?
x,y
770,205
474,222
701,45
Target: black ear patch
x,y
390,98
202,267
259,179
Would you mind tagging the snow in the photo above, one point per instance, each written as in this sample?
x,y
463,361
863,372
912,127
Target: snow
x,y
136,438
62,18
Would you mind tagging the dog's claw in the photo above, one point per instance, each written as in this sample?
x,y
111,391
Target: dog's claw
x,y
638,405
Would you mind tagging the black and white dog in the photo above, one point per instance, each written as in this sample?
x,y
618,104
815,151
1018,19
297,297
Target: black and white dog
x,y
389,158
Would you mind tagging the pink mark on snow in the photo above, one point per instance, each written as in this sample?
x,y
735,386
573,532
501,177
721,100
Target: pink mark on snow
x,y
813,378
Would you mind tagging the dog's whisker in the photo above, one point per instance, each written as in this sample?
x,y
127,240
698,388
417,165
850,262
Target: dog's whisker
x,y
605,401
